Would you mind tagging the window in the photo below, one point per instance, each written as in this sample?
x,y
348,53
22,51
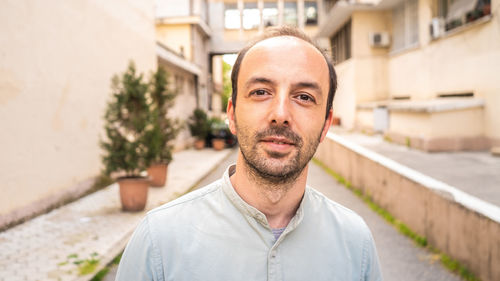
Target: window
x,y
251,16
459,12
311,12
270,14
405,25
290,13
341,44
231,16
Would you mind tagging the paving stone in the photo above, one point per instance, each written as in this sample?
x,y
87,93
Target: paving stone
x,y
38,249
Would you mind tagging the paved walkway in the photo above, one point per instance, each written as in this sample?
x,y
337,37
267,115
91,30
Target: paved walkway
x,y
476,173
93,230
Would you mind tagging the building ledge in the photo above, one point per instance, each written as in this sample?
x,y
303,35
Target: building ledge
x,y
169,56
425,106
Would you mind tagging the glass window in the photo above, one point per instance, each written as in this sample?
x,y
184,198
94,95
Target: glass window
x,y
251,16
311,12
231,16
405,25
270,14
290,13
459,12
341,44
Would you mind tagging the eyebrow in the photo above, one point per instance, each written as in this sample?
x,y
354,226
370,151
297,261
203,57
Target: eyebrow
x,y
262,80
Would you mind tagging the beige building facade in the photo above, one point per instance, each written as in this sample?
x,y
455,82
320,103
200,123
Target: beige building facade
x,y
423,72
183,36
56,63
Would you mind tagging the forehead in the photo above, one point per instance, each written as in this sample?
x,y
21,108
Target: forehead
x,y
285,58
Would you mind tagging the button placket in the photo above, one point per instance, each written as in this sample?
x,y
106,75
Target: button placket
x,y
274,264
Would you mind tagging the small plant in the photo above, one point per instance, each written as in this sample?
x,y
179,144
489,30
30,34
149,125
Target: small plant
x,y
218,128
126,147
126,121
162,129
198,124
84,266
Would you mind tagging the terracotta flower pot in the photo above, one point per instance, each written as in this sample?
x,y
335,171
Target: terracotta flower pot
x,y
133,193
199,144
158,175
218,144
336,121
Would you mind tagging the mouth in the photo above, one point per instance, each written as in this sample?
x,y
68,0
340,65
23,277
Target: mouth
x,y
278,140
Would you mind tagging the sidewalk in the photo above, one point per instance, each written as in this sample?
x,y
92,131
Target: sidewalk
x,y
92,230
476,173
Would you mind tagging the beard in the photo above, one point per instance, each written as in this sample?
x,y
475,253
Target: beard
x,y
271,167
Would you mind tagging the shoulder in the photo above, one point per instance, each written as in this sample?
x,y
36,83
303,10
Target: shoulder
x,y
192,201
337,214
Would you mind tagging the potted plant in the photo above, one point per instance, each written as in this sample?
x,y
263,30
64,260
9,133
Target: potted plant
x,y
126,118
218,130
199,127
162,129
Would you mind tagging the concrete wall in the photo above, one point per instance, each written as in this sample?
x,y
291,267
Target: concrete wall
x,y
455,223
466,61
468,123
56,63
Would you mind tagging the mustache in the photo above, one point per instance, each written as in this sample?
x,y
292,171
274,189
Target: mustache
x,y
280,131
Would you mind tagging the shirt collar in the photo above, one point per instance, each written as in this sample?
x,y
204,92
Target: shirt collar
x,y
251,211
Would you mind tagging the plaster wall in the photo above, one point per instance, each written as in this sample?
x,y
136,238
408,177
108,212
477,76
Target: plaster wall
x,y
177,37
172,8
344,102
465,61
56,63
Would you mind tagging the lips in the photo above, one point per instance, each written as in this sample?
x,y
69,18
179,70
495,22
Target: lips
x,y
278,140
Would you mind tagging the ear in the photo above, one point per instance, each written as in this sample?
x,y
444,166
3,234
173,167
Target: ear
x,y
230,116
326,127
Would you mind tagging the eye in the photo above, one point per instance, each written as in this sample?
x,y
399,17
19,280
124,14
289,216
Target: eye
x,y
259,92
306,98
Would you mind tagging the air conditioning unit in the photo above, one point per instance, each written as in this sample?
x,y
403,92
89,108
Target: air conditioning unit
x,y
379,39
437,27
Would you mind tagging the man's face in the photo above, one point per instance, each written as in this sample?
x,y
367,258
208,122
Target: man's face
x,y
280,114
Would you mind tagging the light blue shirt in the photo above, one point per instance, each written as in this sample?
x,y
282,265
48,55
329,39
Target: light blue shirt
x,y
212,234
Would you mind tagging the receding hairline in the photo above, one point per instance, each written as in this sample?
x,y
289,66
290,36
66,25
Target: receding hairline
x,y
301,43
286,37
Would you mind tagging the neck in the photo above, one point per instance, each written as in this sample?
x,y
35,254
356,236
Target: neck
x,y
278,201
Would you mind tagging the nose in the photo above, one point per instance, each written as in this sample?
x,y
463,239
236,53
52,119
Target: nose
x,y
280,110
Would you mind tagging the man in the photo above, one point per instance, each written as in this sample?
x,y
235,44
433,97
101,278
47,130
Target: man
x,y
260,221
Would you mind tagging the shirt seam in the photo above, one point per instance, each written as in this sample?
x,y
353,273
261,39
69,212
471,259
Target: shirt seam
x,y
170,204
364,259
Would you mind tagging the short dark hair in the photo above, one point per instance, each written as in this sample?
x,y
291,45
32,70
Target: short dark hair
x,y
277,32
